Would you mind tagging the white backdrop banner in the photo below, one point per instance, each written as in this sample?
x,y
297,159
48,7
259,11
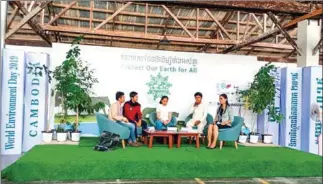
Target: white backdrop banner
x,y
154,73
36,95
312,109
291,97
12,101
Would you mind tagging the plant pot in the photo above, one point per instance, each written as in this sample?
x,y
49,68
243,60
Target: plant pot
x,y
76,136
267,139
61,136
47,136
54,134
254,139
243,139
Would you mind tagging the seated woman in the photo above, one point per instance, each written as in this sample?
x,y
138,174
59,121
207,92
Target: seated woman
x,y
164,116
223,119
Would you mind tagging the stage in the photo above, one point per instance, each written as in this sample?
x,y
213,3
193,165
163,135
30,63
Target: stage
x,y
82,163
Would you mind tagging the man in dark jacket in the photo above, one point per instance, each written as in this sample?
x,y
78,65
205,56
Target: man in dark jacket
x,y
132,111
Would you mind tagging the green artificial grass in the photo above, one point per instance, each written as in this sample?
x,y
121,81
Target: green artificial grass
x,y
73,118
76,163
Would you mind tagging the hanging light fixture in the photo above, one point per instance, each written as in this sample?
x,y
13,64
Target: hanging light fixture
x,y
164,40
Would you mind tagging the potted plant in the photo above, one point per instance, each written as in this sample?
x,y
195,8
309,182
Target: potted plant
x,y
261,96
74,82
75,134
61,133
244,134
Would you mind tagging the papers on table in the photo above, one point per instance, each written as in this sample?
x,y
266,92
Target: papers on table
x,y
151,129
190,130
172,129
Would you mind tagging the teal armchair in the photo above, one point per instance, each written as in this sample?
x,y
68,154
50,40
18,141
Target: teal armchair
x,y
209,120
153,118
105,124
231,134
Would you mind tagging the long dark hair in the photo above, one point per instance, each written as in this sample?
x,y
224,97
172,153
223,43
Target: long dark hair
x,y
162,98
227,104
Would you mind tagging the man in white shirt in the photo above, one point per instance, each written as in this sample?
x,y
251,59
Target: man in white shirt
x,y
199,111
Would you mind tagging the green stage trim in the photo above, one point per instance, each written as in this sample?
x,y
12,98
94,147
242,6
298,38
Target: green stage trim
x,y
79,163
86,119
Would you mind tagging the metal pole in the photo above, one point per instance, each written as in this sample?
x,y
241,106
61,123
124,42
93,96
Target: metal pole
x,y
3,25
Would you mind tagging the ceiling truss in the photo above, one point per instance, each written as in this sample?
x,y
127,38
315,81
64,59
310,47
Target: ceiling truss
x,y
193,27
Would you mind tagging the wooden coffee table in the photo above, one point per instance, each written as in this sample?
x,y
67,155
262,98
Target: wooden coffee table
x,y
158,133
188,134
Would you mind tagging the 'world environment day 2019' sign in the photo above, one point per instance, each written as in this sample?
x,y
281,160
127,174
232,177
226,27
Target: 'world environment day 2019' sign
x,y
12,101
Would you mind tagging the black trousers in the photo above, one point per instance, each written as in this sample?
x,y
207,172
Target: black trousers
x,y
223,126
143,125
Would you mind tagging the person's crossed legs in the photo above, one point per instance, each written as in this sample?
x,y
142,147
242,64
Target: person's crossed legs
x,y
160,124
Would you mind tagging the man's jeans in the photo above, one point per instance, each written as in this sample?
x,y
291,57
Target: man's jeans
x,y
132,129
143,125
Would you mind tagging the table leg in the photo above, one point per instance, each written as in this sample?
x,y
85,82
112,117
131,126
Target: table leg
x,y
146,140
197,141
170,141
179,139
151,141
164,140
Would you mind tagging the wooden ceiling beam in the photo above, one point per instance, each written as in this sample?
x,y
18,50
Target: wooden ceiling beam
x,y
277,59
268,34
283,7
113,15
287,36
178,22
79,30
137,14
85,31
32,23
27,18
214,33
62,12
218,24
148,25
12,17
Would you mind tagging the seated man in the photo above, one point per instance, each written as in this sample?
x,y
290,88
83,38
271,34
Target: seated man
x,y
199,111
132,111
115,114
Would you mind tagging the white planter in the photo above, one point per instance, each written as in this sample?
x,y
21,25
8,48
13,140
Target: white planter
x,y
268,139
61,136
54,135
76,136
243,139
47,136
254,139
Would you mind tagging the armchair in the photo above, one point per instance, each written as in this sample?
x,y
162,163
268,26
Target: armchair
x,y
106,124
231,134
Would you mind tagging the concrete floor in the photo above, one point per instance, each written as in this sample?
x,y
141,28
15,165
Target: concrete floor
x,y
280,180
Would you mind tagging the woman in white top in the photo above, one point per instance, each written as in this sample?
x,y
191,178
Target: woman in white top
x,y
164,116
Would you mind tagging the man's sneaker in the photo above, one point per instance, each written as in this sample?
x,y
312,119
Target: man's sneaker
x,y
134,144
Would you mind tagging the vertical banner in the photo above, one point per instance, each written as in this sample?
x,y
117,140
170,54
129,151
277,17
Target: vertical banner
x,y
36,95
265,125
12,101
312,109
291,96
